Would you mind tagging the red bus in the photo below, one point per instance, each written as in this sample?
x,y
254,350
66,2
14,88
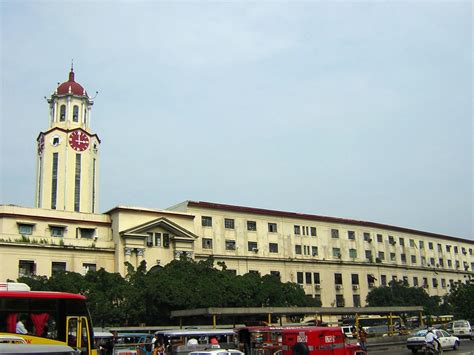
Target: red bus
x,y
42,317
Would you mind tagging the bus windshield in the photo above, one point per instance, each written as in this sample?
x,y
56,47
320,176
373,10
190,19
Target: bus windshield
x,y
47,318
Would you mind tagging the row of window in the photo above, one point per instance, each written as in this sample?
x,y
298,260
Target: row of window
x,y
28,267
229,223
158,240
313,278
75,113
26,229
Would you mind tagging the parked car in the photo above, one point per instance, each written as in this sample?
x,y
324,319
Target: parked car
x,y
460,328
417,340
11,339
217,352
348,330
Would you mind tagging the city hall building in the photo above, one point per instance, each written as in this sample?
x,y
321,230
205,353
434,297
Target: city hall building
x,y
335,260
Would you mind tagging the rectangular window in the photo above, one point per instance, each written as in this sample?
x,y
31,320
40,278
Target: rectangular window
x,y
313,232
77,183
379,238
316,278
448,248
457,264
435,283
157,239
401,241
57,231
355,279
403,258
432,262
393,257
206,221
26,268
425,282
275,273
86,267
229,223
308,278
353,253
87,233
421,244
206,243
413,259
57,266
251,225
230,244
149,240
423,260
440,248
335,233
25,229
412,243
443,283
273,247
464,250
371,280
166,240
299,277
381,256
297,230
54,181
391,239
340,301
356,300
252,246
367,237
383,280
351,235
368,255
314,251
441,262
450,263
272,227
338,279
336,253
415,281
298,250
455,249
430,245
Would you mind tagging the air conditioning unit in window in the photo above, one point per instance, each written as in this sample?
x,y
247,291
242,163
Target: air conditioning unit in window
x,y
369,240
255,250
371,285
393,242
355,287
315,254
317,286
338,287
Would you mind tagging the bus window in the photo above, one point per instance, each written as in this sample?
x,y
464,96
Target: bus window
x,y
85,338
72,332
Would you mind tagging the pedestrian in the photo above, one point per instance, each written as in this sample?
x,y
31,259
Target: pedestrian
x,y
362,336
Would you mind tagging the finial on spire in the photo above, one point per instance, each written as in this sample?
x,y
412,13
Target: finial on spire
x,y
71,73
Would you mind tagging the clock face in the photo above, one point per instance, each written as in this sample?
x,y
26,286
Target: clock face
x,y
40,144
79,141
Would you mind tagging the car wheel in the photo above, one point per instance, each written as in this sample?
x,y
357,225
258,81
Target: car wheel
x,y
456,345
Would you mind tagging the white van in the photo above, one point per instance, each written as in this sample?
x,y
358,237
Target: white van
x,y
460,328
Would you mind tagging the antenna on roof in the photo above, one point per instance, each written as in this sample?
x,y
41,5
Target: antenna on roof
x,y
72,64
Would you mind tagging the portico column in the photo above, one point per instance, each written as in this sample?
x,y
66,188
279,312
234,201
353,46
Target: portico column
x,y
128,253
140,255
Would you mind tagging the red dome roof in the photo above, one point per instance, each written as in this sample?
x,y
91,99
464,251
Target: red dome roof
x,y
71,87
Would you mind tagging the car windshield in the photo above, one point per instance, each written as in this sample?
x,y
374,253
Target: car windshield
x,y
420,333
461,324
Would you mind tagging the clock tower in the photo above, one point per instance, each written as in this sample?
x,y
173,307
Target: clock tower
x,y
68,153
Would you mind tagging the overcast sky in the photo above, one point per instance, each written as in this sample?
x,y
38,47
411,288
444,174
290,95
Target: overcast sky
x,y
359,110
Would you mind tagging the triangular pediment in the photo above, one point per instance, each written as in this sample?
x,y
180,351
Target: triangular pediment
x,y
176,231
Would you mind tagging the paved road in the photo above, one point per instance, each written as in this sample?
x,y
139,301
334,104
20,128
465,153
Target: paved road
x,y
466,348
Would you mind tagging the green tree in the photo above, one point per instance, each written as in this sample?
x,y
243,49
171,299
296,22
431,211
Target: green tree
x,y
461,299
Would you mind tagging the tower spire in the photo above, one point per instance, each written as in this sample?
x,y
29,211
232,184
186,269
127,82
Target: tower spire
x,y
71,73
